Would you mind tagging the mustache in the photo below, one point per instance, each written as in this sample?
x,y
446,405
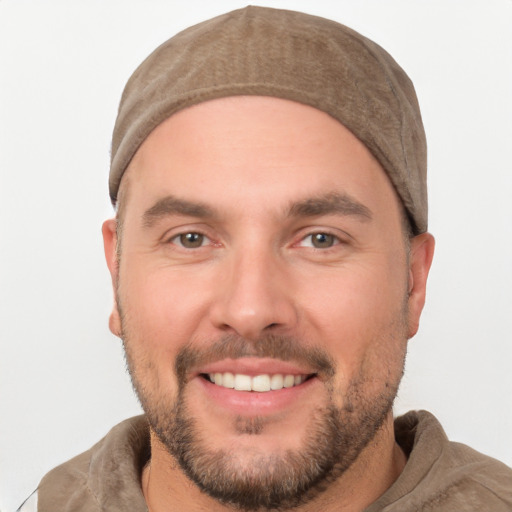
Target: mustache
x,y
285,348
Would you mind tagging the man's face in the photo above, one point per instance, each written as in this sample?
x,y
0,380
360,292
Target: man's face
x,y
262,247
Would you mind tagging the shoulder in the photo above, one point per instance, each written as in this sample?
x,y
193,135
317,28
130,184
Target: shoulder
x,y
473,480
441,475
109,472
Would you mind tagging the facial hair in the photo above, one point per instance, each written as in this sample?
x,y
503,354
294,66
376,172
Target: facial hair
x,y
334,437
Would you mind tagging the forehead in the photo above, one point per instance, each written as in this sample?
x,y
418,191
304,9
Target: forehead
x,y
254,149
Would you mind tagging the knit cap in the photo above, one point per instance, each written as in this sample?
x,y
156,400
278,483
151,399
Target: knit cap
x,y
284,54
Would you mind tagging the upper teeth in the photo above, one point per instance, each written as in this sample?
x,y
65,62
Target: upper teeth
x,y
259,383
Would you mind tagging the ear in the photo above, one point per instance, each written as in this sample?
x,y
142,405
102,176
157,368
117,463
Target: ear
x,y
110,246
421,254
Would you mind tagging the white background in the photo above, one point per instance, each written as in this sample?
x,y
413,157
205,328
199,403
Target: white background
x,y
62,69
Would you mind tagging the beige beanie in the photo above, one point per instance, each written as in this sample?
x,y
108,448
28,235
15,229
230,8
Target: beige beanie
x,y
291,55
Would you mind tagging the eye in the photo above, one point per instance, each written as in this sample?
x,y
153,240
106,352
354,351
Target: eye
x,y
319,240
190,240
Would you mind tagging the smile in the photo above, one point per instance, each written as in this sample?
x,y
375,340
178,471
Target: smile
x,y
259,383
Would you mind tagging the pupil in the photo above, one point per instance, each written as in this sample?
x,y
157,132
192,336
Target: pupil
x,y
322,240
191,240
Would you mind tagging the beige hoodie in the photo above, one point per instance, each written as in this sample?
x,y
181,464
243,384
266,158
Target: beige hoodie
x,y
439,476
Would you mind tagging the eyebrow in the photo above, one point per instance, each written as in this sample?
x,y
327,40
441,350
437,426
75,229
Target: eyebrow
x,y
332,203
171,205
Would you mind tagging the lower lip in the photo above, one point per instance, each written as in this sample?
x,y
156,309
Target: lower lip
x,y
254,403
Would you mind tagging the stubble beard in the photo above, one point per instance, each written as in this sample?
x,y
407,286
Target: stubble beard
x,y
333,440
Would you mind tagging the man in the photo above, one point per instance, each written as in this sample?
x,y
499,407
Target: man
x,y
269,259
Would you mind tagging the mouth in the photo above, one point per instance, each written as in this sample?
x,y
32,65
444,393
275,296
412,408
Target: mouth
x,y
262,383
253,386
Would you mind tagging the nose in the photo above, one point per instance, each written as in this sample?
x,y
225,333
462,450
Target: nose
x,y
255,296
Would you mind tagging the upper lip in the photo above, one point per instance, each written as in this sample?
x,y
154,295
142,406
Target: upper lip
x,y
254,366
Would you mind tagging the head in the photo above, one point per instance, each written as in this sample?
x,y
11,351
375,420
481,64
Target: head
x,y
266,285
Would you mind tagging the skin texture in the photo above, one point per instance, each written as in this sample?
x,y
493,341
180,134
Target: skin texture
x,y
260,236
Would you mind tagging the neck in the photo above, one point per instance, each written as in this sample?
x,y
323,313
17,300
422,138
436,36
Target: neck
x,y
166,488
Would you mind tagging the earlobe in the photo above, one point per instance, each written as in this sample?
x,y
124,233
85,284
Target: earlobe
x,y
421,255
110,247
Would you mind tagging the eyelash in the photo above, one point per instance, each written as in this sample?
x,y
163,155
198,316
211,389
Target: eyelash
x,y
335,240
179,237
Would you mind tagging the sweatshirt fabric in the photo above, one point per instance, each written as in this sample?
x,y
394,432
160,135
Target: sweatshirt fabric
x,y
439,475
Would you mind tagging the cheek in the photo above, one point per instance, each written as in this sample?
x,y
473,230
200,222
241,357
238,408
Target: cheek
x,y
159,304
161,310
356,312
157,320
